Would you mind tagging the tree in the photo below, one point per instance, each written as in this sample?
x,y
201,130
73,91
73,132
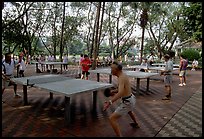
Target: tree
x,y
192,24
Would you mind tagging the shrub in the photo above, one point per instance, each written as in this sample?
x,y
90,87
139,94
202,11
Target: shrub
x,y
191,54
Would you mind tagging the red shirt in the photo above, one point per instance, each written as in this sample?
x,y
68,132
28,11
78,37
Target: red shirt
x,y
85,63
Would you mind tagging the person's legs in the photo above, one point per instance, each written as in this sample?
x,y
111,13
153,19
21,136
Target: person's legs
x,y
14,88
82,75
181,74
184,78
133,117
168,90
181,80
21,73
167,81
87,75
113,121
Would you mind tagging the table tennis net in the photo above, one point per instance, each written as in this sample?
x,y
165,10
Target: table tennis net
x,y
41,80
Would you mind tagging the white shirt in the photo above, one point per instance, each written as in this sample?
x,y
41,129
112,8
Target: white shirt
x,y
9,68
65,59
195,62
22,65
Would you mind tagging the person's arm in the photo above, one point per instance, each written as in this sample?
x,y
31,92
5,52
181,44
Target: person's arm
x,y
181,65
117,95
5,77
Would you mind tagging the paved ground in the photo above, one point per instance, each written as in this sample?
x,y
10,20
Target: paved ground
x,y
180,117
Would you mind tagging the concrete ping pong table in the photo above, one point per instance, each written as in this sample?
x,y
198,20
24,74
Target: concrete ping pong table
x,y
135,74
48,63
134,67
62,85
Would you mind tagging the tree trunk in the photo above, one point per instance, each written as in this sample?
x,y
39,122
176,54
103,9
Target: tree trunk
x,y
96,36
142,43
62,34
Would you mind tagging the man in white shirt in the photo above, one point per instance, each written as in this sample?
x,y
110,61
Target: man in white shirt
x,y
194,64
65,61
22,66
7,73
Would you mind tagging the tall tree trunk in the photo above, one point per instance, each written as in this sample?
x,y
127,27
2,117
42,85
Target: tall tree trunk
x,y
101,25
142,45
96,36
62,34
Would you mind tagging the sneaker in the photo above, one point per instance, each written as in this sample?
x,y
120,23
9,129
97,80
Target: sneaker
x,y
184,84
180,84
134,125
17,95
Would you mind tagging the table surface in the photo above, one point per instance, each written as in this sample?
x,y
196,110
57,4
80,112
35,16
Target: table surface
x,y
150,67
74,86
39,79
48,63
66,86
135,74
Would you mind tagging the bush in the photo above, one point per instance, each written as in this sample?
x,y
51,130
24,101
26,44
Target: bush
x,y
191,54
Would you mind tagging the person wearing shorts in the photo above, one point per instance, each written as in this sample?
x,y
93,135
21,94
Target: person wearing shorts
x,y
7,74
124,93
183,68
85,63
167,76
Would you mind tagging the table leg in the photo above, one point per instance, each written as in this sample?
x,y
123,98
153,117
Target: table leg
x,y
98,77
17,70
110,78
67,111
51,95
147,89
94,100
25,98
61,68
36,66
138,85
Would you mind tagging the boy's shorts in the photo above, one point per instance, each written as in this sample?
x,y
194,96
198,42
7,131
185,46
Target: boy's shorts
x,y
167,80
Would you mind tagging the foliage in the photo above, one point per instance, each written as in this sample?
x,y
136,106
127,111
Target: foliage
x,y
191,54
193,20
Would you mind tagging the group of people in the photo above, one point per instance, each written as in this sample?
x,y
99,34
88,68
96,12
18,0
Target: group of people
x,y
128,100
123,91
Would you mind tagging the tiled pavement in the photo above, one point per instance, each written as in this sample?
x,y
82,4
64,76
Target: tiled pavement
x,y
180,117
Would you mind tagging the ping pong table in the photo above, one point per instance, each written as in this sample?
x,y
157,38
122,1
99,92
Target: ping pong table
x,y
48,63
163,64
62,85
149,68
135,74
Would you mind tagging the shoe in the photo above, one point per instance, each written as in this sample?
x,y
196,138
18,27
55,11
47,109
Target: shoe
x,y
184,84
134,125
17,95
166,98
180,84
